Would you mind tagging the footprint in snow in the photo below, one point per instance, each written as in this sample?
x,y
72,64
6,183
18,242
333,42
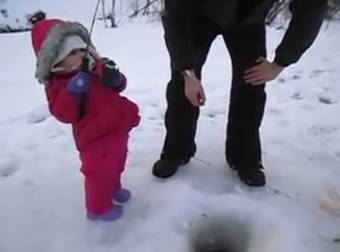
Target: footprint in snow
x,y
327,100
297,96
317,130
38,116
8,166
274,111
308,107
318,72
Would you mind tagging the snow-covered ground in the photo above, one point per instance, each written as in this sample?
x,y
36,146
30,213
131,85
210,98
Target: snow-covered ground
x,y
41,190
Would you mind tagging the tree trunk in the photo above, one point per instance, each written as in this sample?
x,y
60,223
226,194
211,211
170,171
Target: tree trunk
x,y
112,14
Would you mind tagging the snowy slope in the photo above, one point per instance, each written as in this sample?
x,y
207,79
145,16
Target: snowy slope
x,y
15,12
41,187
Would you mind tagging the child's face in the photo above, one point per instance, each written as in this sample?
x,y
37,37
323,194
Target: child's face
x,y
73,60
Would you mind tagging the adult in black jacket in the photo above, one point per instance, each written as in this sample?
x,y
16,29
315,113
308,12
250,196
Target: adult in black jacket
x,y
190,28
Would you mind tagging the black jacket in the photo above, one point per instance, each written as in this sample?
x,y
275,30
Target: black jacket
x,y
180,15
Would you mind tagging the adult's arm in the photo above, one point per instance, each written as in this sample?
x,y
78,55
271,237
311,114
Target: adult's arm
x,y
177,22
307,18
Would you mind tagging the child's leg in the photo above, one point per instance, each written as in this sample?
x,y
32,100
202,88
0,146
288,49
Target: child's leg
x,y
103,164
121,165
122,195
98,192
100,181
117,150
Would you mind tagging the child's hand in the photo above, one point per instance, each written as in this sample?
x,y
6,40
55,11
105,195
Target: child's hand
x,y
112,77
79,84
120,82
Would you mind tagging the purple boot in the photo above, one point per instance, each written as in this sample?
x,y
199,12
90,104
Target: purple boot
x,y
123,195
115,213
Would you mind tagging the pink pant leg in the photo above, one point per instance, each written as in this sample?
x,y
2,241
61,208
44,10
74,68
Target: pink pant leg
x,y
103,163
98,193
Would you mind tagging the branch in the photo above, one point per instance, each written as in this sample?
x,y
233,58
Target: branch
x,y
147,5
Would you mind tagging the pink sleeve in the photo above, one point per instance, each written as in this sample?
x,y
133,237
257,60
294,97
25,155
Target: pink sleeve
x,y
63,105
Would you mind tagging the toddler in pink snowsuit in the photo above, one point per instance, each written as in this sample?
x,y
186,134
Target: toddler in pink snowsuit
x,y
83,90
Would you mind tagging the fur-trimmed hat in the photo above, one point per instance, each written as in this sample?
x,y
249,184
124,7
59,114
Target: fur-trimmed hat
x,y
48,38
69,44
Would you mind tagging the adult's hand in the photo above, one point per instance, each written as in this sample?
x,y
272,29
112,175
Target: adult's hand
x,y
193,89
262,72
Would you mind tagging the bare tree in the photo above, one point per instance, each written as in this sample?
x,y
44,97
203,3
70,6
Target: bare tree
x,y
333,9
112,15
280,8
148,7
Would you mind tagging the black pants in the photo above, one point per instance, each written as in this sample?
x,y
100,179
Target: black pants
x,y
243,147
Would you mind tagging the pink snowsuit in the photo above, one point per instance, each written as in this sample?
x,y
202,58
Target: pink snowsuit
x,y
101,134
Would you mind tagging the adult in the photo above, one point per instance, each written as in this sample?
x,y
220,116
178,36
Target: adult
x,y
190,28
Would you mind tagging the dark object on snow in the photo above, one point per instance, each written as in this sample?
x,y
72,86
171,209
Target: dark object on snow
x,y
227,233
4,13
